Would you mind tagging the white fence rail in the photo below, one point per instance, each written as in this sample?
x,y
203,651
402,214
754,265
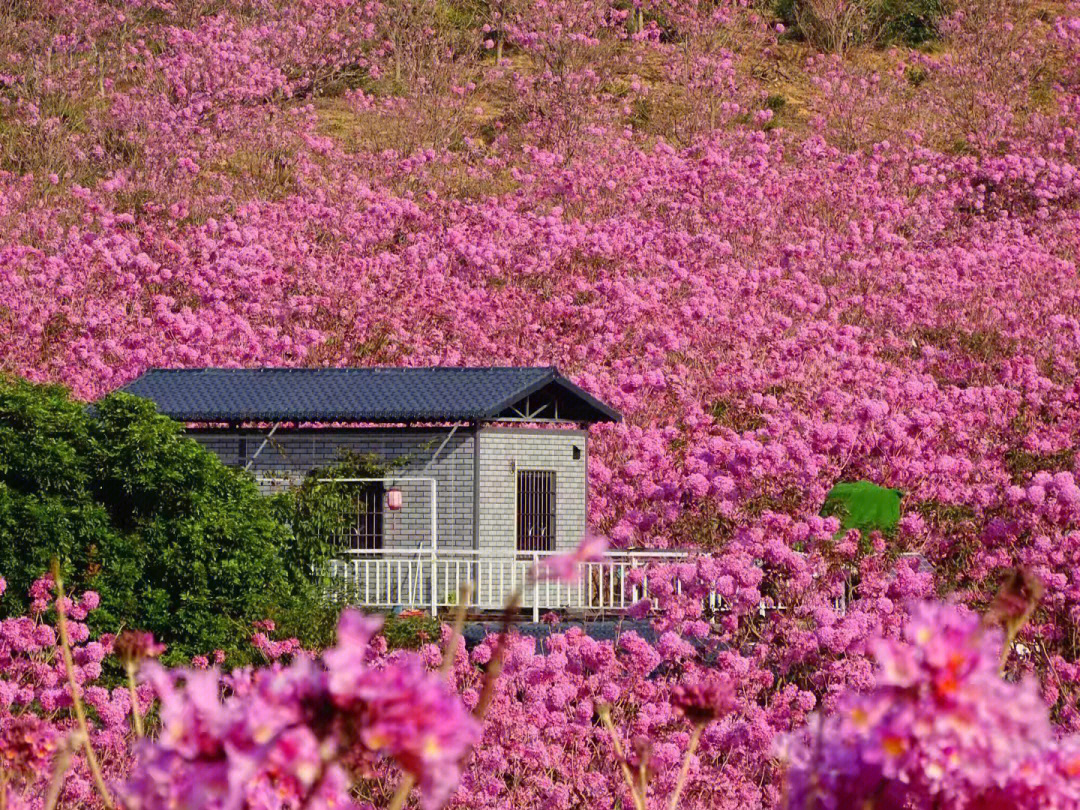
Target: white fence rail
x,y
385,579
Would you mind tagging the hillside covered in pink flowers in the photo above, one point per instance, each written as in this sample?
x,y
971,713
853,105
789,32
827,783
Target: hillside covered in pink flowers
x,y
786,266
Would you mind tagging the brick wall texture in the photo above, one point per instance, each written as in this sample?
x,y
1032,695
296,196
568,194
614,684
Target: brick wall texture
x,y
291,454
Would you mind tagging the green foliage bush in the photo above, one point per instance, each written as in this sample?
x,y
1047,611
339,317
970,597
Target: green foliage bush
x,y
174,541
320,506
863,505
911,22
410,632
316,511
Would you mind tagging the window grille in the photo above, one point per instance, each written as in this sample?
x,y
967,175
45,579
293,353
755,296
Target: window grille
x,y
535,510
366,527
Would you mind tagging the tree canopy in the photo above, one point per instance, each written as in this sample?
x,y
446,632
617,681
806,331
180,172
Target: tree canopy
x,y
174,541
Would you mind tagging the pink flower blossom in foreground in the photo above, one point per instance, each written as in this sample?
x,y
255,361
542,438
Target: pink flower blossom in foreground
x,y
941,729
27,744
280,738
567,567
704,699
131,646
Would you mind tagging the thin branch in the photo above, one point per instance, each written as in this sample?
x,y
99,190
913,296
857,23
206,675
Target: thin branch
x,y
402,792
605,718
495,665
408,781
695,738
76,692
60,768
643,775
450,653
136,718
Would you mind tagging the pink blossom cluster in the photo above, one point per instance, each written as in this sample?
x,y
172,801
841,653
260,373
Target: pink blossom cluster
x,y
543,745
281,734
934,723
940,729
35,699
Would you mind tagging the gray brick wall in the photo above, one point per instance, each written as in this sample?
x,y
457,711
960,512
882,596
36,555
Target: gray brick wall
x,y
505,451
292,454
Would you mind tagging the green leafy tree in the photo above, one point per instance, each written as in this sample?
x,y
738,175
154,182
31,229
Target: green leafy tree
x,y
174,541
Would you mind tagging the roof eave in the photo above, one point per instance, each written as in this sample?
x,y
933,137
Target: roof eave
x,y
588,408
611,414
324,418
608,414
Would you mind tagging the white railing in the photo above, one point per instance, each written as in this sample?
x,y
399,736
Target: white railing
x,y
402,578
387,579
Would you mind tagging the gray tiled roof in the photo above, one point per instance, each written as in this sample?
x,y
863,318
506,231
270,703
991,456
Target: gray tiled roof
x,y
441,394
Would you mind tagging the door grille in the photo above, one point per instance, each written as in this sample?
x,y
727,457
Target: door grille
x,y
536,510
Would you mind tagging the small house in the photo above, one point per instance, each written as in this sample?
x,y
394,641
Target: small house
x,y
483,463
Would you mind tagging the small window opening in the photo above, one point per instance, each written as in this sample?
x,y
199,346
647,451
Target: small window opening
x,y
366,523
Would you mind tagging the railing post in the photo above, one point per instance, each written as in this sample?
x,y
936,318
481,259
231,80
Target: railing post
x,y
536,587
434,551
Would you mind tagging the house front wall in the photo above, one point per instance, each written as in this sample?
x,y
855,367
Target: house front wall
x,y
504,452
476,474
291,454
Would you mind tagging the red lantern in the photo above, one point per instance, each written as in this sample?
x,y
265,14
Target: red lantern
x,y
393,499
